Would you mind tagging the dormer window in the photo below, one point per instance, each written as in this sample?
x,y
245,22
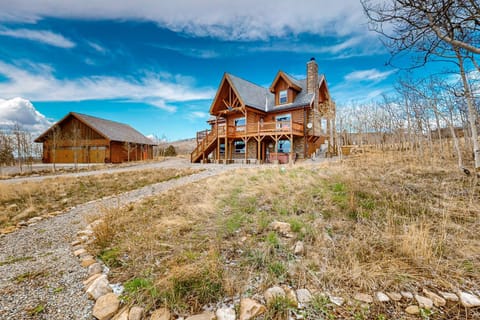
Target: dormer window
x,y
282,97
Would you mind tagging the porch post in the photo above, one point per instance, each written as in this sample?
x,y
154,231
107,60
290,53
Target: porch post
x,y
226,157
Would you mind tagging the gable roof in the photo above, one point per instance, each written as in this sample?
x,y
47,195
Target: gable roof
x,y
111,130
262,99
252,95
291,81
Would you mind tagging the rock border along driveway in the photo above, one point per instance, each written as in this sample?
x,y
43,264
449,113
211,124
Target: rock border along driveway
x,y
40,278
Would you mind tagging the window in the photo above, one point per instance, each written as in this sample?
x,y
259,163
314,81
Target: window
x,y
283,121
240,124
282,97
239,147
283,146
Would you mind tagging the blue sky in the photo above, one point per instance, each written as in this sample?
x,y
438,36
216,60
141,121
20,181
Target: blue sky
x,y
156,65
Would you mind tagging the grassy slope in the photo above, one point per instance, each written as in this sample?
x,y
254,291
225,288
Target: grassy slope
x,y
370,223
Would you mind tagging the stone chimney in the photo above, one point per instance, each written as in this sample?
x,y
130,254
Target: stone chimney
x,y
312,80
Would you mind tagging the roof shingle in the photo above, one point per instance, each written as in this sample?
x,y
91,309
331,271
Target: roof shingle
x,y
261,98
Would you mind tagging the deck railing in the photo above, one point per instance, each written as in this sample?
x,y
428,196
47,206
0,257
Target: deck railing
x,y
265,128
204,139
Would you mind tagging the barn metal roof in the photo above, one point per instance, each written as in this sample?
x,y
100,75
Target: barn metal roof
x,y
114,131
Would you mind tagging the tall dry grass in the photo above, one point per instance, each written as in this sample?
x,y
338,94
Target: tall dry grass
x,y
22,201
373,222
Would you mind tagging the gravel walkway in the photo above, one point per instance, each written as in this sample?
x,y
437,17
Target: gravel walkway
x,y
39,276
168,163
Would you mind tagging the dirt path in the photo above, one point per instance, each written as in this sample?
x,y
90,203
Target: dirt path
x,y
39,276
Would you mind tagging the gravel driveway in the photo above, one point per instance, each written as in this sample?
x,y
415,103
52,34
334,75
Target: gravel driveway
x,y
168,163
39,276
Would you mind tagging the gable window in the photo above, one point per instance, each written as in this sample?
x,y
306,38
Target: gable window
x,y
239,147
240,124
282,97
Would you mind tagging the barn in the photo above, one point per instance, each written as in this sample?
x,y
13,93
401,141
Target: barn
x,y
80,138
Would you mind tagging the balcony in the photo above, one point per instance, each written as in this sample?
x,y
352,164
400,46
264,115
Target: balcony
x,y
262,129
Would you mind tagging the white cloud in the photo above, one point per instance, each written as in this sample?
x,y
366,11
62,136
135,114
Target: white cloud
x,y
368,75
37,82
225,19
161,104
195,115
97,47
44,36
21,111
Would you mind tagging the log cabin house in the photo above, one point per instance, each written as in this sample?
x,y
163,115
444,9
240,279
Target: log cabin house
x,y
291,119
80,138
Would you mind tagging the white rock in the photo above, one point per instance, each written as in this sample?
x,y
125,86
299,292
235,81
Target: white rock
x,y
299,248
339,301
202,316
424,302
394,296
274,292
136,313
122,314
106,306
94,269
468,300
225,314
363,297
449,296
87,261
437,300
90,279
382,297
304,296
249,309
283,228
85,232
412,310
34,220
79,252
407,294
98,288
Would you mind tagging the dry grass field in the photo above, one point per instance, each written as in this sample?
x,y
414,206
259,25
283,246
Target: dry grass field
x,y
373,222
22,201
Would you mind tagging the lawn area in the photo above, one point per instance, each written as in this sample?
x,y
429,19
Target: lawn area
x,y
22,201
369,223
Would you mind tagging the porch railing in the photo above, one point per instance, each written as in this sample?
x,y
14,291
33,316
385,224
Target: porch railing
x,y
265,128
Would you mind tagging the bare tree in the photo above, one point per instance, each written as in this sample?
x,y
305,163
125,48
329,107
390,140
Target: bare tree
x,y
433,29
54,138
6,149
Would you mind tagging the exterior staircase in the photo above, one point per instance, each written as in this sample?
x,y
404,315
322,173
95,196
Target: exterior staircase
x,y
204,146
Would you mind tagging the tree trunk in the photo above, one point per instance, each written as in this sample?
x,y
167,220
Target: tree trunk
x,y
472,113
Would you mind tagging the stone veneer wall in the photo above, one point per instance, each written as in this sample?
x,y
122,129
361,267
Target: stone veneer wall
x,y
299,146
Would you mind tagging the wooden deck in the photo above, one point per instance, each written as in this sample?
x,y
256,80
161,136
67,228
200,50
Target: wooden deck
x,y
261,129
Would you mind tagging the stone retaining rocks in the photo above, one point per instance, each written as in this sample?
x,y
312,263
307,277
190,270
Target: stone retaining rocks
x,y
106,306
437,300
363,297
469,300
250,309
272,293
226,314
424,302
160,314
